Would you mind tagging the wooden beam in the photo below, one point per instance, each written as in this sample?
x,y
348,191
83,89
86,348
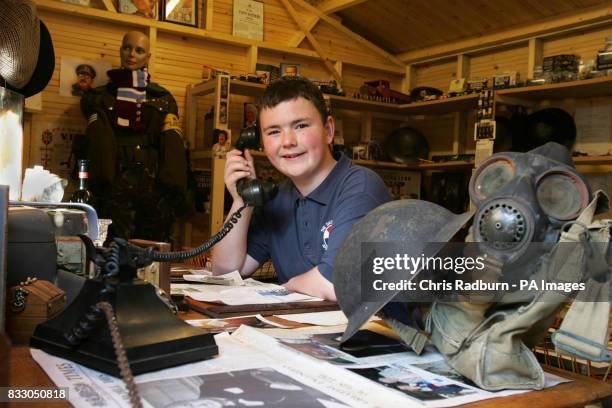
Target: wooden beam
x,y
409,80
190,117
463,66
152,33
562,25
251,59
299,37
208,24
535,55
460,130
366,127
359,39
313,41
332,6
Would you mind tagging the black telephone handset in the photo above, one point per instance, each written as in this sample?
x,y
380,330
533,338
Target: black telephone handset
x,y
253,192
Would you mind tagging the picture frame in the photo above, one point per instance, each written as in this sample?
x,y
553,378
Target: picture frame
x,y
248,19
267,73
290,70
184,12
144,8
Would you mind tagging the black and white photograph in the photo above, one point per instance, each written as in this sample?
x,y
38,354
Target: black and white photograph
x,y
412,384
258,387
318,350
365,343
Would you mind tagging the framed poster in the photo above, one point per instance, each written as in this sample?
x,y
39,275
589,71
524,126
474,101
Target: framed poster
x,y
180,11
248,19
77,75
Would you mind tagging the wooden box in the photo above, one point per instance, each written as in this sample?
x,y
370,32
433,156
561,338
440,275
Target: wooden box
x,y
29,305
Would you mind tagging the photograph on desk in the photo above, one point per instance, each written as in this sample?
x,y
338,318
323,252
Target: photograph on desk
x,y
413,384
257,387
365,343
319,351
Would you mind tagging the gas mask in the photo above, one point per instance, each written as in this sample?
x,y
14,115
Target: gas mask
x,y
524,198
524,204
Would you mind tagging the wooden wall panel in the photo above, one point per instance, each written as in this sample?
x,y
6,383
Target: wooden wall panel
x,y
584,44
278,27
338,46
309,67
437,130
179,62
437,75
498,62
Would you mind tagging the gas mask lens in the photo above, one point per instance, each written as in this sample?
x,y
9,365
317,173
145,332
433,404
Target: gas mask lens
x,y
493,177
561,195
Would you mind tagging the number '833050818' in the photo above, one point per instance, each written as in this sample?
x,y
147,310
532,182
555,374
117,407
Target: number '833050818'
x,y
33,394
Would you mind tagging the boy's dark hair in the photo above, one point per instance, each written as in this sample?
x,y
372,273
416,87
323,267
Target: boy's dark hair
x,y
289,88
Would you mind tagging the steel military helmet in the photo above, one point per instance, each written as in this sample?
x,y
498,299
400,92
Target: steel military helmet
x,y
406,145
415,221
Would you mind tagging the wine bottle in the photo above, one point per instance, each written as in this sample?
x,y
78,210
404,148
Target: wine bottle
x,y
82,194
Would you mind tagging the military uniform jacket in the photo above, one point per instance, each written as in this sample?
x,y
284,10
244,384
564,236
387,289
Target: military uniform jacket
x,y
111,149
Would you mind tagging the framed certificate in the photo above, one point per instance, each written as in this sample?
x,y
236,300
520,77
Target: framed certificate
x,y
248,19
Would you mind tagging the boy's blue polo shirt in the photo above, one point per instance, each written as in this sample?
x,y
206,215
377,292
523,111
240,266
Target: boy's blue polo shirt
x,y
299,233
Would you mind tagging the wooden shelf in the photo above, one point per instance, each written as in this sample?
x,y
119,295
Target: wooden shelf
x,y
237,87
437,107
345,102
450,165
589,160
441,106
586,88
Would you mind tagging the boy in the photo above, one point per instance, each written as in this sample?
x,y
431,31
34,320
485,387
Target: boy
x,y
303,227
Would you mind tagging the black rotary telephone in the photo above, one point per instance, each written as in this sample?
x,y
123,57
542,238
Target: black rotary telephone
x,y
253,192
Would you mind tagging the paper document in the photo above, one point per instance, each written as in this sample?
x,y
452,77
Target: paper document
x,y
228,279
331,318
253,369
181,270
252,292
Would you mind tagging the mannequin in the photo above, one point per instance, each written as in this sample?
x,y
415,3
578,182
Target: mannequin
x,y
139,161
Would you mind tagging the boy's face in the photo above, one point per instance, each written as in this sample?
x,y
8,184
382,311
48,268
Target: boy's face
x,y
296,141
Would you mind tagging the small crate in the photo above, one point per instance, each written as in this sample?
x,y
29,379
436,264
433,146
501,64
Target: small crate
x,y
30,304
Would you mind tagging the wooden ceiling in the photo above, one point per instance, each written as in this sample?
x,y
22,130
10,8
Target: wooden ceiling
x,y
400,26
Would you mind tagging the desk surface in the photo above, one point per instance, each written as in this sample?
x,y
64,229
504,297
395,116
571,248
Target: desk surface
x,y
24,371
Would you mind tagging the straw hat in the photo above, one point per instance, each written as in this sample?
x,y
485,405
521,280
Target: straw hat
x,y
27,59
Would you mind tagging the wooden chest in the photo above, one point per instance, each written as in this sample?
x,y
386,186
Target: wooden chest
x,y
28,305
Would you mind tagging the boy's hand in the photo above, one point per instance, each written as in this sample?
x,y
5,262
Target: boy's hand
x,y
237,167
